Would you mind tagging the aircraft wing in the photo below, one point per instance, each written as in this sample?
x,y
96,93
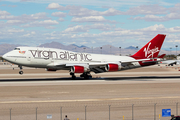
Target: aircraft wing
x,y
55,64
170,62
138,60
95,64
150,60
97,67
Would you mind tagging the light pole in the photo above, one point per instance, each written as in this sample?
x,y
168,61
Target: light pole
x,y
84,49
85,112
170,53
155,111
101,49
110,49
120,51
137,48
36,112
132,111
176,51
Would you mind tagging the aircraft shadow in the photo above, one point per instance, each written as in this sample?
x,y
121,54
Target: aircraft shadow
x,y
141,78
138,78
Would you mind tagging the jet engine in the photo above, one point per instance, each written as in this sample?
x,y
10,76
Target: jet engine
x,y
113,67
78,69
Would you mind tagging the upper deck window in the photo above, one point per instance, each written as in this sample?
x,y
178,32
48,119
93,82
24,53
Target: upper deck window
x,y
16,48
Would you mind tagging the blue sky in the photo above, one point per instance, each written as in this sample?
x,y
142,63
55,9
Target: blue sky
x,y
93,23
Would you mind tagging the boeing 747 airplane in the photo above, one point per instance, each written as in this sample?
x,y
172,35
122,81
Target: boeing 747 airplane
x,y
58,59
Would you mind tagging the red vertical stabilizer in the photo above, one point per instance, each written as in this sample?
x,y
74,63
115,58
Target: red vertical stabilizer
x,y
151,49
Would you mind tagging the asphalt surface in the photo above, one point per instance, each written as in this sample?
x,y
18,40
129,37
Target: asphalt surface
x,y
133,94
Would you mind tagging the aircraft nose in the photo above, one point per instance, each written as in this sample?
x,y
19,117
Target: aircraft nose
x,y
4,56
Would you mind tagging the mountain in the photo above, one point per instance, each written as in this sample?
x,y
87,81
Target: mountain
x,y
61,46
132,47
82,46
53,45
4,48
105,49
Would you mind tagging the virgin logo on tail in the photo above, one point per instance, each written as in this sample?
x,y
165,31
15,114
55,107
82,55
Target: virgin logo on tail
x,y
149,53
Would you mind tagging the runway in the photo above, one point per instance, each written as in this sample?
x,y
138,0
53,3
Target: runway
x,y
12,72
120,90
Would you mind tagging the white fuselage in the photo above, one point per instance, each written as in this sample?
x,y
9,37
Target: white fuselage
x,y
46,57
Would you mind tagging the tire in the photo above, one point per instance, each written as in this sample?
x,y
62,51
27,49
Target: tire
x,y
20,72
73,77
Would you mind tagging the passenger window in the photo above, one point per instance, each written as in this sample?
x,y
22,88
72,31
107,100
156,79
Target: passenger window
x,y
16,48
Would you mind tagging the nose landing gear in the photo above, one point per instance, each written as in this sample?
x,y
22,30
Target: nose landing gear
x,y
20,72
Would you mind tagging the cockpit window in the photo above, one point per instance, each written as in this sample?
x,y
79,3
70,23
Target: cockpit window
x,y
16,48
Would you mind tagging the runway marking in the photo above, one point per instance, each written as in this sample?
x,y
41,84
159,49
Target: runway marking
x,y
87,100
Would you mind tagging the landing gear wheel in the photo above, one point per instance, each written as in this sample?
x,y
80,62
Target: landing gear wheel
x,y
86,75
20,72
73,76
90,76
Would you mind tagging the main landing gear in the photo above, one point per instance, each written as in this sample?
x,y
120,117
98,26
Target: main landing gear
x,y
85,75
73,76
20,72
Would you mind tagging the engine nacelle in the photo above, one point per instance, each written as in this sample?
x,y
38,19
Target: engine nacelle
x,y
50,69
78,69
113,67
